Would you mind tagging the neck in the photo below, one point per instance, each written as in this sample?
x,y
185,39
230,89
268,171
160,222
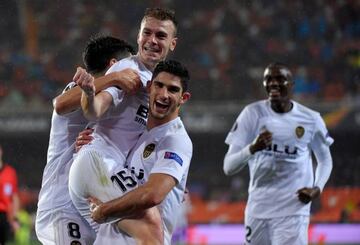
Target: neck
x,y
154,122
282,107
149,65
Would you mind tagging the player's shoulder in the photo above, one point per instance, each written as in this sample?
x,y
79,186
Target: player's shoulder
x,y
257,104
306,111
177,134
255,107
9,169
128,62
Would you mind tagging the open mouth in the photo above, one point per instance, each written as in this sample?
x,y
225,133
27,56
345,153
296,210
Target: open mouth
x,y
161,106
274,92
152,50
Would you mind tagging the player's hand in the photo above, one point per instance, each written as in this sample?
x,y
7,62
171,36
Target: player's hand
x,y
85,81
83,138
128,80
14,224
306,194
95,210
262,142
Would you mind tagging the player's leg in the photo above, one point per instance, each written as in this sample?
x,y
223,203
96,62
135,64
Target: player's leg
x,y
4,228
145,229
290,230
60,227
89,176
256,231
44,229
84,180
72,229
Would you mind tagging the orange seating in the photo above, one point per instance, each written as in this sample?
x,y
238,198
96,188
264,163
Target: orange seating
x,y
355,216
333,202
217,212
323,216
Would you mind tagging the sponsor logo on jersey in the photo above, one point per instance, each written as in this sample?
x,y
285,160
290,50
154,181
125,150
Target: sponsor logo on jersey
x,y
299,131
148,150
281,151
8,189
173,156
142,114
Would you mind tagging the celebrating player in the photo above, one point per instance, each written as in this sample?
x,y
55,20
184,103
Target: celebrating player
x,y
57,220
160,160
276,138
120,118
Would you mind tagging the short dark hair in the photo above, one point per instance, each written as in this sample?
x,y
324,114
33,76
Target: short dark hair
x,y
161,14
280,65
100,50
176,68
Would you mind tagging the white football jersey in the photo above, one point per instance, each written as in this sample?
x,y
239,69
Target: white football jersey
x,y
164,149
64,130
121,126
276,173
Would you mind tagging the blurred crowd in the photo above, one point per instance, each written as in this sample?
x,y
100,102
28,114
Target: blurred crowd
x,y
226,45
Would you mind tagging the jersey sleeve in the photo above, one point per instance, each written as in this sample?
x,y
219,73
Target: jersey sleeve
x,y
321,134
69,86
241,132
116,93
174,156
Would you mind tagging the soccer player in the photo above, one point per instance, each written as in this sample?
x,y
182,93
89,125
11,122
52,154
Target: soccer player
x,y
120,118
276,138
160,160
9,200
57,221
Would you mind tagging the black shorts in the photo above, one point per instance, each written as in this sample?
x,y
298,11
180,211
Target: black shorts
x,y
4,228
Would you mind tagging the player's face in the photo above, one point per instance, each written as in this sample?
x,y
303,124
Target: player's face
x,y
166,96
278,84
155,39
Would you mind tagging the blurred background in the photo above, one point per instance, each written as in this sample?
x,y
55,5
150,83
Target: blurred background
x,y
226,45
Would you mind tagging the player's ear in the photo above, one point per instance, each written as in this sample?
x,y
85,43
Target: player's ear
x,y
112,61
185,97
148,85
173,43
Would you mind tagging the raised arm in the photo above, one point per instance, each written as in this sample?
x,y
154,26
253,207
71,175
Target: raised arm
x,y
93,106
127,79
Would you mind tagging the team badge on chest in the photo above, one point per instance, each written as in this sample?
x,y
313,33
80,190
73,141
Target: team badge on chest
x,y
148,150
299,131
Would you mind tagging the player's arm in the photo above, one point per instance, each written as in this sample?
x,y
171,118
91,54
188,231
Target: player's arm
x,y
235,159
14,212
127,79
15,204
152,193
93,106
237,156
322,173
